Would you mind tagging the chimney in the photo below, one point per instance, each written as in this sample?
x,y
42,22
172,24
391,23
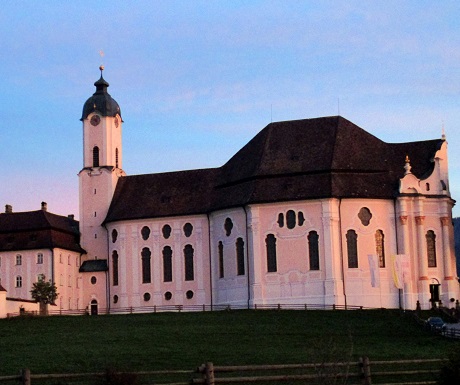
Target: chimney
x,y
71,216
44,206
8,209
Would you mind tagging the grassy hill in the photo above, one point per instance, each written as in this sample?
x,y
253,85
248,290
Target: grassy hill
x,y
186,340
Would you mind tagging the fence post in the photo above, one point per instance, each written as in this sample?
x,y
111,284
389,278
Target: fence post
x,y
365,370
209,373
25,377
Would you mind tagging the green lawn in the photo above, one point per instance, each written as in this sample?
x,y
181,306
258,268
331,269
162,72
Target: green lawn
x,y
186,340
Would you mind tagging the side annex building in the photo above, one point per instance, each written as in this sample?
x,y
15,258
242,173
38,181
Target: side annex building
x,y
309,211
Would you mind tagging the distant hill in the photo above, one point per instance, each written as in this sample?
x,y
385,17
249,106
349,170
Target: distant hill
x,y
457,242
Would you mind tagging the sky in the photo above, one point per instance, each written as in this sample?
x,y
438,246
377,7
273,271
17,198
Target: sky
x,y
196,80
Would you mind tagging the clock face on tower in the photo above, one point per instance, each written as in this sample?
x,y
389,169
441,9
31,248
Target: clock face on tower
x,y
95,120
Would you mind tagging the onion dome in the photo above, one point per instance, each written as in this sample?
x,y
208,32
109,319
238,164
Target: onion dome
x,y
101,101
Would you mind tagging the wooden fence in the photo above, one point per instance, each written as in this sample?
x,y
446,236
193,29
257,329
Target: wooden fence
x,y
197,308
363,371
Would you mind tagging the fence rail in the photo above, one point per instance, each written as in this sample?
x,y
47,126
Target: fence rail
x,y
363,371
196,308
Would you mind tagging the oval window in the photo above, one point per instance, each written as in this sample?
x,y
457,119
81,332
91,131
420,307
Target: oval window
x,y
166,231
145,232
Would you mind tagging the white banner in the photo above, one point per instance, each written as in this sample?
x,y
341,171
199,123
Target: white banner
x,y
374,268
401,270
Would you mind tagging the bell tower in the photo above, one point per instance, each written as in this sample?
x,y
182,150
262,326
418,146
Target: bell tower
x,y
102,166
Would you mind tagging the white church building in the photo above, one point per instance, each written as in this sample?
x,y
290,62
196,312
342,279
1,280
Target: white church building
x,y
315,211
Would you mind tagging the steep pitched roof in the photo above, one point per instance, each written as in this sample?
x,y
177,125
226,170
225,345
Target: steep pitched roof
x,y
292,160
38,230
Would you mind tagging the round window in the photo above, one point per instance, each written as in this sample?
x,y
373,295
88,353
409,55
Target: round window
x,y
147,297
93,280
189,294
168,295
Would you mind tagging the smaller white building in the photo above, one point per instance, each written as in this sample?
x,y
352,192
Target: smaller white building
x,y
36,244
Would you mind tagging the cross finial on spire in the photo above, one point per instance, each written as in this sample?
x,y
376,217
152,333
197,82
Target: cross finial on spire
x,y
443,135
101,67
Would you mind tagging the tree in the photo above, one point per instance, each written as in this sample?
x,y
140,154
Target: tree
x,y
44,292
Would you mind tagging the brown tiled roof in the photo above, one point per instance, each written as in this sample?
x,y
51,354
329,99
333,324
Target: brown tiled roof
x,y
38,230
292,160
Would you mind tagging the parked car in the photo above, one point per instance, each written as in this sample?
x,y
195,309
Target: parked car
x,y
435,324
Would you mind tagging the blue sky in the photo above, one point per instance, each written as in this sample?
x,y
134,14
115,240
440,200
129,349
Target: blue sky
x,y
196,80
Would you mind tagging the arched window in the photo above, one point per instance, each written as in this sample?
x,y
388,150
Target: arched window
x,y
18,259
313,250
380,247
116,158
114,235
95,156
240,256
431,248
115,268
352,249
228,226
188,259
167,264
290,219
18,281
300,218
40,258
146,271
270,242
220,249
281,220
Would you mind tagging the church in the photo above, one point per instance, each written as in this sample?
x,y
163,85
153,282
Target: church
x,y
312,212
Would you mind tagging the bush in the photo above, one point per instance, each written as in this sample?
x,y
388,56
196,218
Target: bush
x,y
113,377
450,373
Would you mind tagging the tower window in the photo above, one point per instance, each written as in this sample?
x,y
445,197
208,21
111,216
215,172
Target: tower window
x,y
116,158
18,281
431,248
95,156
